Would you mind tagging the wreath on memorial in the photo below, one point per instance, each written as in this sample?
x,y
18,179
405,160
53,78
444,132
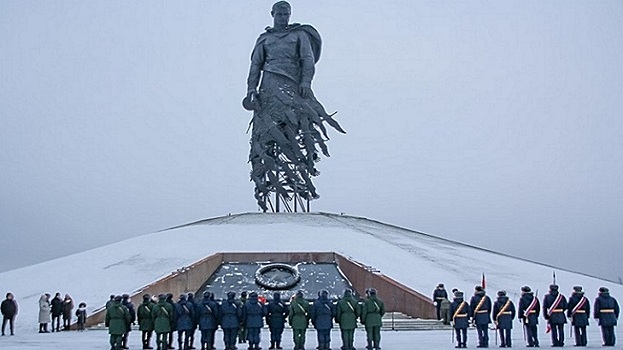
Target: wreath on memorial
x,y
277,276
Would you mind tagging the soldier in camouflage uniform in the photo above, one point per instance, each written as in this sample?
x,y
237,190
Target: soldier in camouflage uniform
x,y
372,317
164,317
145,321
117,320
298,319
348,311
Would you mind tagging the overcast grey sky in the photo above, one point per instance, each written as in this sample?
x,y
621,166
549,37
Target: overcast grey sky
x,y
495,123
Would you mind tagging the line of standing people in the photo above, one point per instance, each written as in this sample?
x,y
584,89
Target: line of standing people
x,y
163,316
480,311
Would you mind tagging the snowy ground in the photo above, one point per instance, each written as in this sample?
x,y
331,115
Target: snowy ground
x,y
390,340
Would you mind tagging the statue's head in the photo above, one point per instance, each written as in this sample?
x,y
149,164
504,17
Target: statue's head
x,y
281,13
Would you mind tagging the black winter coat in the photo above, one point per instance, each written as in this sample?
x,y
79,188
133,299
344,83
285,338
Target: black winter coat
x,y
580,316
9,308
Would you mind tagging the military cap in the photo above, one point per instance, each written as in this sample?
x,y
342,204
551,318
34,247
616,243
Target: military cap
x,y
502,293
526,289
206,294
162,296
458,294
146,296
553,287
348,292
182,296
577,288
603,290
231,295
372,291
118,298
478,288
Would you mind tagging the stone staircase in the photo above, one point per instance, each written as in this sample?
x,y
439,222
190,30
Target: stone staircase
x,y
401,322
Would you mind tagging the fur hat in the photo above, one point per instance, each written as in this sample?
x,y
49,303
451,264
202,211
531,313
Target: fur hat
x,y
458,294
502,293
146,296
526,289
577,289
603,290
478,288
553,287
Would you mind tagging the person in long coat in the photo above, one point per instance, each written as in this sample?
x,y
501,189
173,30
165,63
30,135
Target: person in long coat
x,y
322,315
480,305
117,319
528,313
231,315
68,308
298,319
460,318
44,313
191,334
347,312
164,317
372,313
579,310
145,320
554,308
607,312
9,311
185,315
57,312
503,316
208,312
253,313
277,313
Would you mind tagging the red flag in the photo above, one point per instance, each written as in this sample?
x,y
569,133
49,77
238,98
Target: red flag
x,y
483,283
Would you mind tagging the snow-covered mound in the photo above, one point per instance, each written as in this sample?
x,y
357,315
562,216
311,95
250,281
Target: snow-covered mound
x,y
418,260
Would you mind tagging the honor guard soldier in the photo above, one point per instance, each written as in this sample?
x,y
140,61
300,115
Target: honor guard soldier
x,y
607,312
578,311
528,313
439,295
460,318
503,316
554,307
480,305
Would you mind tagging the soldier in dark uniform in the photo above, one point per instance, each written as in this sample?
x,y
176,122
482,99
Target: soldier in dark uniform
x,y
529,309
554,307
460,318
125,301
607,312
276,319
578,311
480,304
439,295
503,316
231,315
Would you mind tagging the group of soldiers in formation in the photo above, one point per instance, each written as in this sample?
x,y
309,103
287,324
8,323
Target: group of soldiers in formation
x,y
556,309
242,319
